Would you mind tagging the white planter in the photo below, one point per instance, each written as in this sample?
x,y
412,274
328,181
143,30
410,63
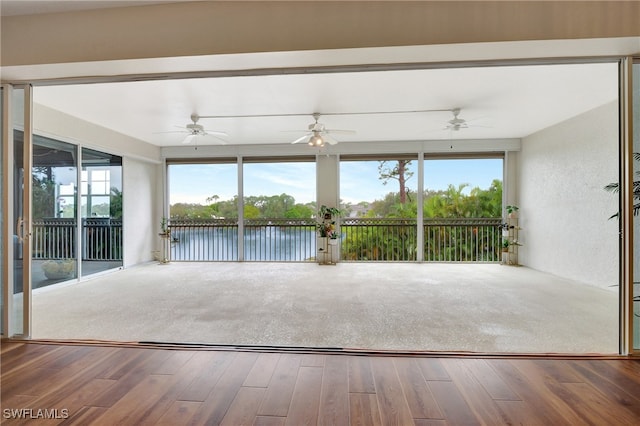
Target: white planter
x,y
328,250
321,244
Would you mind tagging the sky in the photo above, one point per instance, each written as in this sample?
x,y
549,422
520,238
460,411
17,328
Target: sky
x,y
358,179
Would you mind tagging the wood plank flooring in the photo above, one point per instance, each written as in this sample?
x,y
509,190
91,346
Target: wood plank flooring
x,y
109,385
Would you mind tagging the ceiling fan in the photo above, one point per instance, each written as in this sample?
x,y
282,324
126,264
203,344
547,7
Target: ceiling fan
x,y
457,123
195,131
317,134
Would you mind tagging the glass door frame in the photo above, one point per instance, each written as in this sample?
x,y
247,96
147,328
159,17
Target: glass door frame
x,y
626,205
23,224
7,211
628,171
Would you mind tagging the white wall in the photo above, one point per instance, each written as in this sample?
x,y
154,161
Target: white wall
x,y
58,125
140,222
564,209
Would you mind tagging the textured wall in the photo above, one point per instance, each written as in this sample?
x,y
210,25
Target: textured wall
x,y
56,124
564,208
140,225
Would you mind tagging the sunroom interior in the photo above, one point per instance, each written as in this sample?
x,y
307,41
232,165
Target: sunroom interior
x,y
555,127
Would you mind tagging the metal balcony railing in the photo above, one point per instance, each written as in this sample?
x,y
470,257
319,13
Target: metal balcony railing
x,y
462,240
374,239
288,240
362,239
445,240
282,240
56,239
101,239
204,240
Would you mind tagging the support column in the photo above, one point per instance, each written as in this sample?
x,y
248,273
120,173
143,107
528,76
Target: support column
x,y
328,190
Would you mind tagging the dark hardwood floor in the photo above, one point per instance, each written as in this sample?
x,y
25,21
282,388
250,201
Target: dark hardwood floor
x,y
109,385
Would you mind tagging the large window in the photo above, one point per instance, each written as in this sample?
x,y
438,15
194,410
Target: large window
x,y
379,198
203,211
462,209
459,188
279,207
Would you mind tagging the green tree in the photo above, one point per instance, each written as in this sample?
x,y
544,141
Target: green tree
x,y
189,211
251,212
276,206
299,211
43,192
449,203
396,170
615,187
115,204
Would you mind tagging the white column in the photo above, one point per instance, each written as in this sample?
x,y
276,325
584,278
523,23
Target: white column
x,y
328,189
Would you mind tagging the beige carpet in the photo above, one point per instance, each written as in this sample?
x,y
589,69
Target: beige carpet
x,y
397,306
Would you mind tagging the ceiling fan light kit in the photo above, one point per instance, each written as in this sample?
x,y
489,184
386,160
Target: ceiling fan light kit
x,y
316,140
317,134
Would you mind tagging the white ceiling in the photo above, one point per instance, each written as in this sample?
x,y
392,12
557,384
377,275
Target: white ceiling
x,y
503,101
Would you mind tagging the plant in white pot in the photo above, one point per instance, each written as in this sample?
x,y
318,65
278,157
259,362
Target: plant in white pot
x,y
59,268
326,227
327,222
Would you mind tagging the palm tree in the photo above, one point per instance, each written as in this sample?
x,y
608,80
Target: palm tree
x,y
615,187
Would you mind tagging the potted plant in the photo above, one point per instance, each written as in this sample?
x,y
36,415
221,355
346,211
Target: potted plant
x,y
327,213
165,232
505,245
59,268
326,221
326,227
511,210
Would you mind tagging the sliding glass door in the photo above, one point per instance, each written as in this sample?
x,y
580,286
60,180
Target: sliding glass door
x,y
101,211
635,294
3,197
54,227
16,288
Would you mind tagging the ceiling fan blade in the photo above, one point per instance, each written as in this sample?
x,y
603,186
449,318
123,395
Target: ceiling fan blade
x,y
341,131
171,131
301,138
213,138
329,139
215,132
189,139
